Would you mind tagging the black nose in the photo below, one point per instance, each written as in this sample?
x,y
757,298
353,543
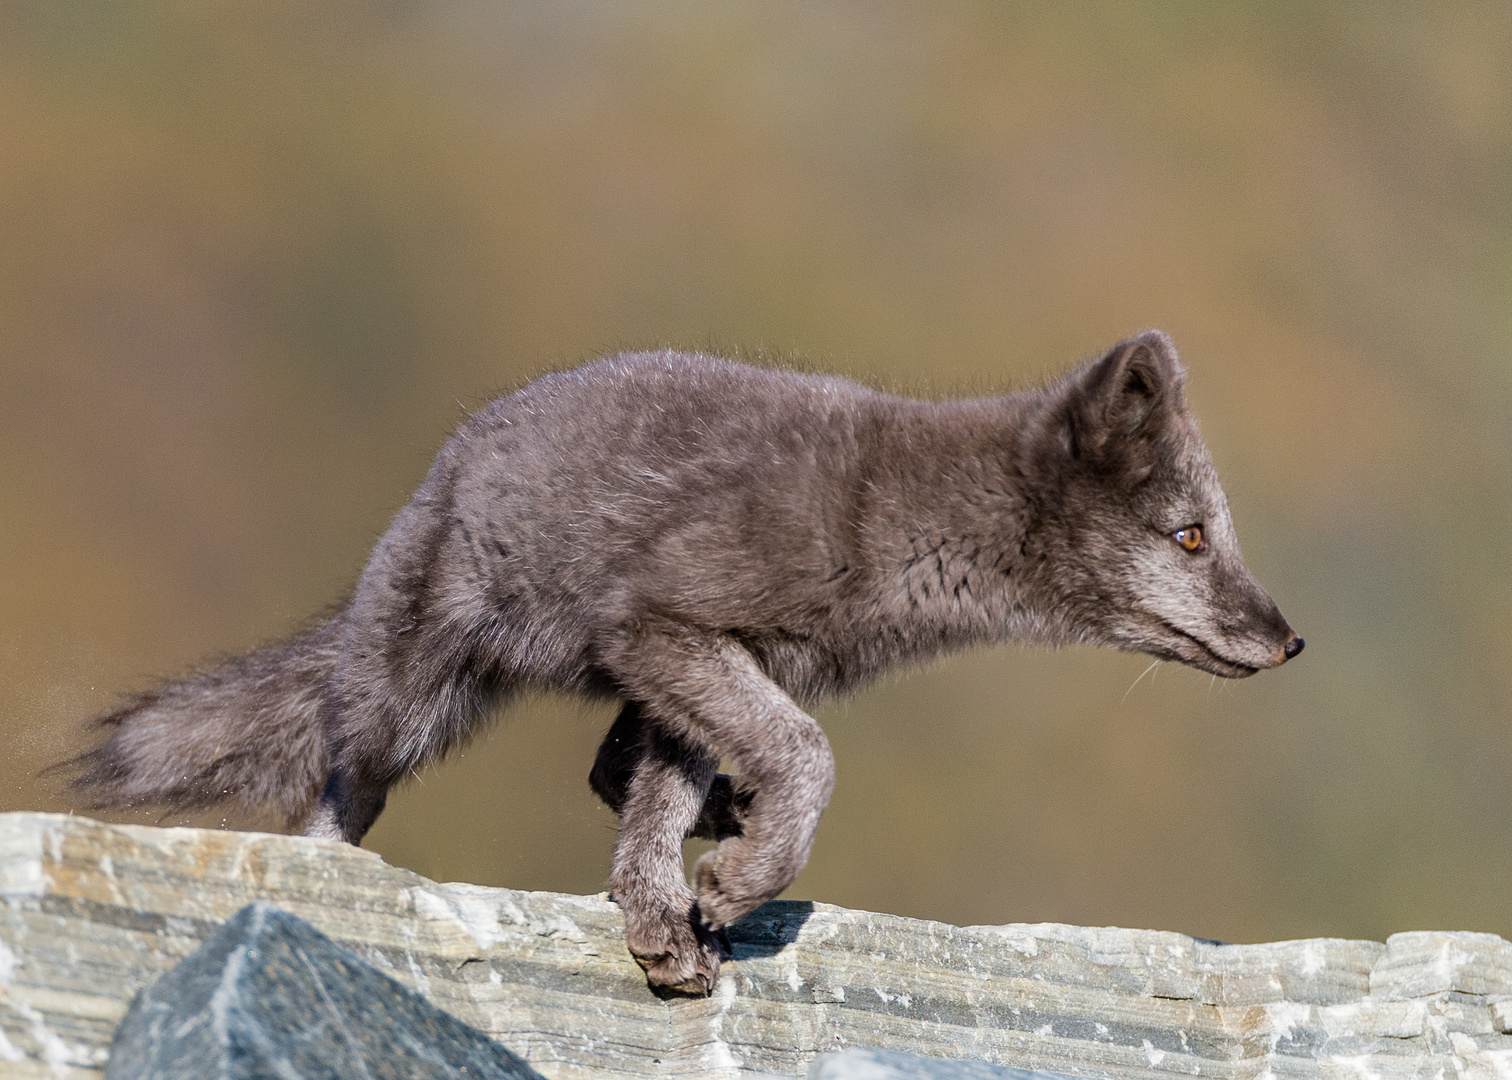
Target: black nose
x,y
1293,647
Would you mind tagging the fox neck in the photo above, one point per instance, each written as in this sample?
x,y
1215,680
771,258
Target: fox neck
x,y
951,524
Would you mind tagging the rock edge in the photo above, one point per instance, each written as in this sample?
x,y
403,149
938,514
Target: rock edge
x,y
94,912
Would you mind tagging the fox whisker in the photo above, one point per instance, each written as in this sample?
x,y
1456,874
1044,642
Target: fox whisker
x,y
1153,665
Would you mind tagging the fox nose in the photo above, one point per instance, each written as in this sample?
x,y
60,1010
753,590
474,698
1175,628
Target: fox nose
x,y
1292,647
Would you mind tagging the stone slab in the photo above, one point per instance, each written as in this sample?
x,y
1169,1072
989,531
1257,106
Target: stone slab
x,y
90,913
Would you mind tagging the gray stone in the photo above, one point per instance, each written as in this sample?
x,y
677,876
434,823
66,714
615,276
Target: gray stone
x,y
269,996
891,1065
91,913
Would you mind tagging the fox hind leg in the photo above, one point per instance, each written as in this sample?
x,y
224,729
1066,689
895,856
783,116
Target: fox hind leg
x,y
344,810
620,753
397,702
665,792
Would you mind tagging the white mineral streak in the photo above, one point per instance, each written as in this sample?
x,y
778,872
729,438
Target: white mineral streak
x,y
9,1051
430,906
224,1000
717,1056
1285,1017
21,873
1155,1056
94,912
57,1054
1356,1067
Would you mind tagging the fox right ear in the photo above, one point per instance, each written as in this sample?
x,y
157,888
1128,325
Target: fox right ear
x,y
1122,394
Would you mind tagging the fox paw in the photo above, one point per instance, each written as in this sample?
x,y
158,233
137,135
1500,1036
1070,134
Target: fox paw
x,y
720,900
677,952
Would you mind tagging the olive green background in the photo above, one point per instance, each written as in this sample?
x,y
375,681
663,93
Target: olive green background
x,y
256,260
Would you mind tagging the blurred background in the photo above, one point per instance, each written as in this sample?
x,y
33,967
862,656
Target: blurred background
x,y
257,261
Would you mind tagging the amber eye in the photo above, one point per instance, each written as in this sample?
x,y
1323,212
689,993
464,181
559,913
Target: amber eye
x,y
1189,538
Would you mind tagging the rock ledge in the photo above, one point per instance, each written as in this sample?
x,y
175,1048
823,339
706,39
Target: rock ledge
x,y
94,912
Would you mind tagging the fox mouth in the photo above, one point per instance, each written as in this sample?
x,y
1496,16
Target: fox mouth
x,y
1207,658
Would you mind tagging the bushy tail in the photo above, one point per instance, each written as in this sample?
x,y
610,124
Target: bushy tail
x,y
248,729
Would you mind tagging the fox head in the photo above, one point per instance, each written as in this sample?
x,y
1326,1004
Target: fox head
x,y
1134,543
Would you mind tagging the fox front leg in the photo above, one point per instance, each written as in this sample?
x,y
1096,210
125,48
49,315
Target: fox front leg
x,y
712,692
724,809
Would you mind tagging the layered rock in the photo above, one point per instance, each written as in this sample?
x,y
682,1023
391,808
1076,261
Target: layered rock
x,y
93,913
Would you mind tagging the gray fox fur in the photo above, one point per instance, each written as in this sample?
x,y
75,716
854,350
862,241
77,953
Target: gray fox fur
x,y
715,546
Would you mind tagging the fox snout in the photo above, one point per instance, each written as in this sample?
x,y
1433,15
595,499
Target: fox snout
x,y
1233,629
1268,622
1291,645
1274,625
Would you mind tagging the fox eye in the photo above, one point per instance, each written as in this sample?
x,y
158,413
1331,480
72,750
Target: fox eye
x,y
1190,538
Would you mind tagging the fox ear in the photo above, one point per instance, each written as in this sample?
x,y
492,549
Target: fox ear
x,y
1128,392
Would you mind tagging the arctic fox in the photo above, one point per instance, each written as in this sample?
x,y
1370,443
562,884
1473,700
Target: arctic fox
x,y
715,546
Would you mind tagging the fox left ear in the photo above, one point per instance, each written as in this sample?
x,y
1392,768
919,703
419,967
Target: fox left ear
x,y
1133,386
